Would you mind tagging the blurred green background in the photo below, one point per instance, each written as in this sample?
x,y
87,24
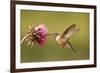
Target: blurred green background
x,y
55,22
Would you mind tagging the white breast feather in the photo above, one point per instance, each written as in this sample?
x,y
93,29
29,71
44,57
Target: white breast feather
x,y
57,38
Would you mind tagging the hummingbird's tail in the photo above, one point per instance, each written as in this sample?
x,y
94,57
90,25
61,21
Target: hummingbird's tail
x,y
70,46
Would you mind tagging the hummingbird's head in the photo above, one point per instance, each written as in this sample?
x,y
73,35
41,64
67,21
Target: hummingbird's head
x,y
54,35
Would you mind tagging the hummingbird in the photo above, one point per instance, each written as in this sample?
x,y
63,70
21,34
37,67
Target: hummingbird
x,y
63,39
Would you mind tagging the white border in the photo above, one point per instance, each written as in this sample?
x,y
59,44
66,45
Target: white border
x,y
57,63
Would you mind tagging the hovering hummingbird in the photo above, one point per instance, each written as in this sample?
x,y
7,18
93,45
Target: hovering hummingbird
x,y
63,39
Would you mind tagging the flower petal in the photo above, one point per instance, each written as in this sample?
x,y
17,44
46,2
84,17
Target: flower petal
x,y
43,34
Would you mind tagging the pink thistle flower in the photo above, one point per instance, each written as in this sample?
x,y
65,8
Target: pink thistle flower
x,y
42,32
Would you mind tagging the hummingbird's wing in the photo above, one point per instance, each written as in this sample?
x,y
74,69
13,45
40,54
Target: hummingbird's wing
x,y
72,29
